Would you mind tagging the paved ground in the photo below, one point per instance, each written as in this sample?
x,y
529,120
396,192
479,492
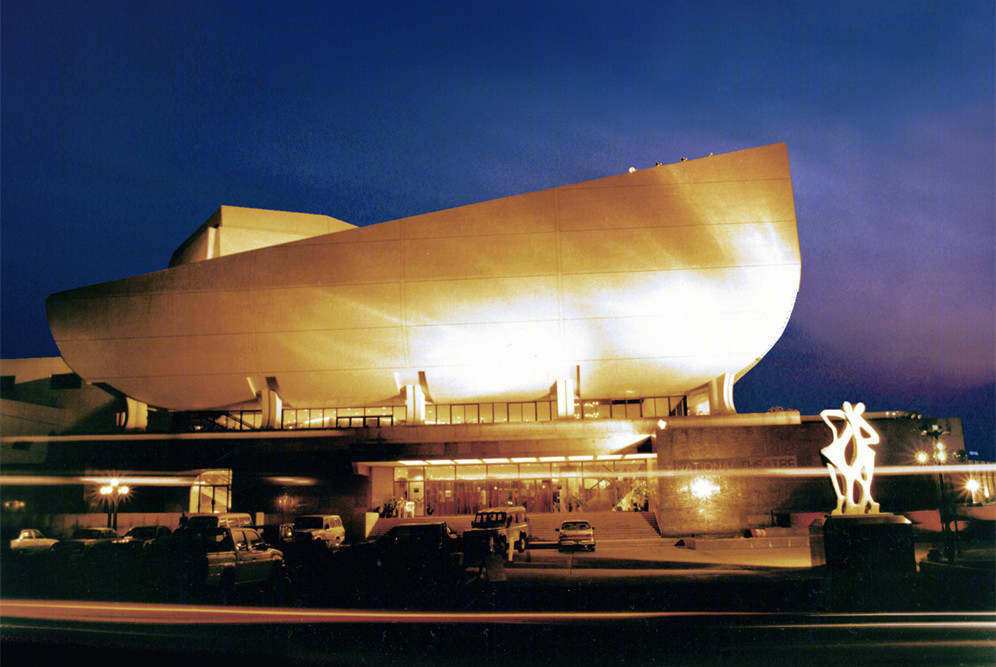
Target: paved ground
x,y
738,576
629,602
663,553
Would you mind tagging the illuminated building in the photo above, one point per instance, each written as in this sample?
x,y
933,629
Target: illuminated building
x,y
646,284
520,349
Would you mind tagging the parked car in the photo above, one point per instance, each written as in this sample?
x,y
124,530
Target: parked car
x,y
239,556
86,559
199,559
204,520
286,532
31,540
139,536
502,530
421,562
83,539
326,528
575,534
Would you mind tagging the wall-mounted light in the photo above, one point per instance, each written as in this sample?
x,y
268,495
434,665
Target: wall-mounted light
x,y
703,488
973,487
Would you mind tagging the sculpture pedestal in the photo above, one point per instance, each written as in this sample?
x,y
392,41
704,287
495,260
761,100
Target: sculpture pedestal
x,y
864,542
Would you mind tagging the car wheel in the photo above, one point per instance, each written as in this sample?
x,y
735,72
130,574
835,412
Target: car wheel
x,y
520,545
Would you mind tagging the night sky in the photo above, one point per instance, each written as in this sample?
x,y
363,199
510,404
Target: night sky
x,y
126,125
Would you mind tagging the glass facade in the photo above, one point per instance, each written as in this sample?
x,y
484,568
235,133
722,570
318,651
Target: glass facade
x,y
468,413
584,483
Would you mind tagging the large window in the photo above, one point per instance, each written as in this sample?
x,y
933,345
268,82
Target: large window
x,y
473,413
589,485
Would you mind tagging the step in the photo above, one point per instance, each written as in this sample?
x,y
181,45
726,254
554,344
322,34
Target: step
x,y
608,525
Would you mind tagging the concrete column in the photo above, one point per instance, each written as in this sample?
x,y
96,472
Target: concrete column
x,y
415,404
135,417
381,485
721,395
565,399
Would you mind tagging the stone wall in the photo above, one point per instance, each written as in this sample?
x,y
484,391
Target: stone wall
x,y
752,474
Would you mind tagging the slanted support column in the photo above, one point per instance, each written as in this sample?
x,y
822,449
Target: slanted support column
x,y
565,399
135,417
415,404
721,395
273,408
268,392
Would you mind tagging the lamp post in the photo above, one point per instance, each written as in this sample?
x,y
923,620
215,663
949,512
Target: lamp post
x,y
939,455
113,494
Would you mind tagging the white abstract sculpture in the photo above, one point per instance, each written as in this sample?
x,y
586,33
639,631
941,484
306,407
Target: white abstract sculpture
x,y
846,471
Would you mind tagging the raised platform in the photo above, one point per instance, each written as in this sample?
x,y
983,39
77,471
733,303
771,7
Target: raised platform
x,y
869,542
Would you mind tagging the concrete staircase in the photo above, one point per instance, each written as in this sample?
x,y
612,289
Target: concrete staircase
x,y
608,525
458,523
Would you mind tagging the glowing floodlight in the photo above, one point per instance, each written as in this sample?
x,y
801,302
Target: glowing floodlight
x,y
973,487
703,488
849,473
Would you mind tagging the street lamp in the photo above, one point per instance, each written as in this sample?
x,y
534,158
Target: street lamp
x,y
113,493
939,455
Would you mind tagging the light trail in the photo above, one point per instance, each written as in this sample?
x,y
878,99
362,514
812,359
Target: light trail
x,y
704,469
159,614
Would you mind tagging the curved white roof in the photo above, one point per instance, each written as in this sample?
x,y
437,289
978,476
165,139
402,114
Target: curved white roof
x,y
648,283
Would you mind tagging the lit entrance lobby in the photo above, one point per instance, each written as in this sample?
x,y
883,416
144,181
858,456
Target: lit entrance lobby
x,y
447,487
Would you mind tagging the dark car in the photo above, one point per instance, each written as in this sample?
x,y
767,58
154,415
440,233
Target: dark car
x,y
83,539
213,561
85,560
421,562
139,536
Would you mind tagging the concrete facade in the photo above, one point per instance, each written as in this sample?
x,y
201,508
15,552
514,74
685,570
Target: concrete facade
x,y
570,348
751,474
650,283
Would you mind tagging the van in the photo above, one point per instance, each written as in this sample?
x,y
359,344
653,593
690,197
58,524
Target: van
x,y
503,530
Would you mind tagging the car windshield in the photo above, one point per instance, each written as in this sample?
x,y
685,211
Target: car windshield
x,y
199,523
89,534
489,519
142,532
308,522
576,525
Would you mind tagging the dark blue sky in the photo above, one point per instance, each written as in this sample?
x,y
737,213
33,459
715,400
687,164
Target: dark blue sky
x,y
125,125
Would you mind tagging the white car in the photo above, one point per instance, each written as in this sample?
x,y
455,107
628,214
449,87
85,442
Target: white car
x,y
576,534
324,527
31,539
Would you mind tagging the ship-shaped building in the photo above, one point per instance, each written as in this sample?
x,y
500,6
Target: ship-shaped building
x,y
569,349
